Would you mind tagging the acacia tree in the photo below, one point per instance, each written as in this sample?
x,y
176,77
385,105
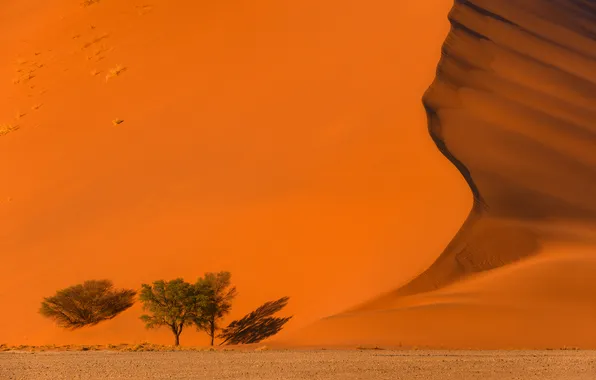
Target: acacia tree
x,y
175,304
257,325
218,293
86,304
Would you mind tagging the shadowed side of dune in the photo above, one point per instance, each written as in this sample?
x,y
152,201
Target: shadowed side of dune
x,y
513,107
540,303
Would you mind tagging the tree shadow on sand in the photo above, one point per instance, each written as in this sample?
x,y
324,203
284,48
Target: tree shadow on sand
x,y
257,325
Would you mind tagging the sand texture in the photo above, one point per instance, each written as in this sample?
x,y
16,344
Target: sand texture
x,y
279,140
302,365
513,107
312,149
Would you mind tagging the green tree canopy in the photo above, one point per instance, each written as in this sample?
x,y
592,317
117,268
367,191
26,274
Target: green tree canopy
x,y
175,304
218,292
257,325
87,304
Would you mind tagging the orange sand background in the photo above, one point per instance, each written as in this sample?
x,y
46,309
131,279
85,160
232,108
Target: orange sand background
x,y
284,141
513,106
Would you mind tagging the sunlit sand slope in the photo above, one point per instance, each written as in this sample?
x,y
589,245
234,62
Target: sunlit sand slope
x,y
284,141
544,302
513,107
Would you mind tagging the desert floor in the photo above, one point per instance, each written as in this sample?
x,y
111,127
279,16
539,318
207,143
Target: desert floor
x,y
311,365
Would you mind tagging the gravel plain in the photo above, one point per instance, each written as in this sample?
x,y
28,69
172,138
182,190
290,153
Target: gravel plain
x,y
307,365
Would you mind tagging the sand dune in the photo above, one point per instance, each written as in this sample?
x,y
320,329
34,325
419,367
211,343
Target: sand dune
x,y
513,108
542,302
284,141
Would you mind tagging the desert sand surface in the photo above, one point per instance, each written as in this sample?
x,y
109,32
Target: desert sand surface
x,y
288,143
513,108
283,141
302,365
546,302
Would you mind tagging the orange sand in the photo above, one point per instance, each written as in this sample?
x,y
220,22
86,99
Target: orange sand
x,y
284,141
512,106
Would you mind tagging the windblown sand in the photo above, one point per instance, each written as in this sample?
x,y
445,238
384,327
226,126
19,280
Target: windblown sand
x,y
311,365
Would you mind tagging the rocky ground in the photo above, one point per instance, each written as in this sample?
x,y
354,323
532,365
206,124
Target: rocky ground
x,y
310,365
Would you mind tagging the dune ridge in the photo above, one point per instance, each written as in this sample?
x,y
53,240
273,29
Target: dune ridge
x,y
517,120
513,107
284,141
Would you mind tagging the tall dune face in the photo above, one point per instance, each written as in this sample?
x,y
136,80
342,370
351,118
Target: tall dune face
x,y
513,107
281,140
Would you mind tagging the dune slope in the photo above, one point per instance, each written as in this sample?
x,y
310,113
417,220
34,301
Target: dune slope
x,y
281,140
513,107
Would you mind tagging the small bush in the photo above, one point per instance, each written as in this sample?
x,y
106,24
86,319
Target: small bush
x,y
86,304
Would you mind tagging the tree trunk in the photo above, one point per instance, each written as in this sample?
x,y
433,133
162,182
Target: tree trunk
x,y
176,332
212,332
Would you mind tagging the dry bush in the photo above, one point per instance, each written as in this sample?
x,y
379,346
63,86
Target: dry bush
x,y
87,304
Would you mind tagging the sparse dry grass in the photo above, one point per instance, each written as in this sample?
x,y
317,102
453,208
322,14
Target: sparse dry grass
x,y
7,128
123,347
375,348
116,71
